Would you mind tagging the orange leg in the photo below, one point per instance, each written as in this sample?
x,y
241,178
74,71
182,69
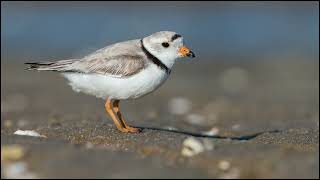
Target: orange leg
x,y
116,109
116,121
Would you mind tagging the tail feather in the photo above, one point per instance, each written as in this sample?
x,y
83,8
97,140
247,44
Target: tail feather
x,y
37,65
61,65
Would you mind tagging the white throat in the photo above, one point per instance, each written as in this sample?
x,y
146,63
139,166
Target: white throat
x,y
167,59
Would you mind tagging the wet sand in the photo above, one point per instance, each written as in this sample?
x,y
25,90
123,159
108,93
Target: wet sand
x,y
279,101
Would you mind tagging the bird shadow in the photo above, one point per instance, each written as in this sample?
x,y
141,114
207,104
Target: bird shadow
x,y
238,138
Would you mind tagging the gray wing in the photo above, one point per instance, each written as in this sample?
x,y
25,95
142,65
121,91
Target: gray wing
x,y
120,60
119,66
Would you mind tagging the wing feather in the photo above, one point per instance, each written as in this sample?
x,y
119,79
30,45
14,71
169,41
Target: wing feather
x,y
121,65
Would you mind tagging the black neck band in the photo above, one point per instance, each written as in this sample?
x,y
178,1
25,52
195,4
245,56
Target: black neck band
x,y
154,59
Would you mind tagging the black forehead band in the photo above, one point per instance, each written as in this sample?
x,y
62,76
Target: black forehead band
x,y
176,36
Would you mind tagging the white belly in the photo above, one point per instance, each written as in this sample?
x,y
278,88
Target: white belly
x,y
103,86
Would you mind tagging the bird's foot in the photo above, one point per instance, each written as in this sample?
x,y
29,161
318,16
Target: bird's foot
x,y
129,129
123,130
133,130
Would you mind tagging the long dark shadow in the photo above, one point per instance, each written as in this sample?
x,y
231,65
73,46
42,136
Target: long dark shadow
x,y
239,138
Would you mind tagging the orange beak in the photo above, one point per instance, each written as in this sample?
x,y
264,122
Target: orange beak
x,y
184,51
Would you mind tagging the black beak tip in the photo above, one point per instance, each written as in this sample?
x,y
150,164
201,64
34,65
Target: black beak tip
x,y
191,54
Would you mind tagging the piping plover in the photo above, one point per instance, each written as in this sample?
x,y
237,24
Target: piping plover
x,y
125,70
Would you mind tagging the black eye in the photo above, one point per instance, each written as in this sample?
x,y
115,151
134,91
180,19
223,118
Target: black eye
x,y
165,44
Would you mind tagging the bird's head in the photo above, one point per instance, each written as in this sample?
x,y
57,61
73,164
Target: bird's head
x,y
167,46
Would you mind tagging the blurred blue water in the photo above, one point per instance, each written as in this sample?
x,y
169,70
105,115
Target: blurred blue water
x,y
211,29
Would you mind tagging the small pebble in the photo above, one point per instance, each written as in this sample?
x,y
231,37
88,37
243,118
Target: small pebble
x,y
192,147
28,133
224,165
212,132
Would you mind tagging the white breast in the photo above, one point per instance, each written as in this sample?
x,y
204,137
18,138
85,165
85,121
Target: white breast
x,y
103,86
